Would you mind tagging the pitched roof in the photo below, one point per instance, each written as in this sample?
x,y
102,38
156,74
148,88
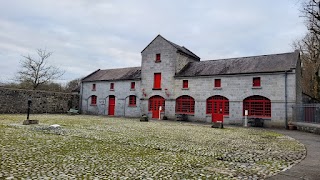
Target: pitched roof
x,y
242,65
184,50
178,47
114,74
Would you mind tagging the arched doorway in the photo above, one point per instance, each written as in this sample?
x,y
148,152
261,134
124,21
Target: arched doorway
x,y
154,105
217,106
257,106
112,104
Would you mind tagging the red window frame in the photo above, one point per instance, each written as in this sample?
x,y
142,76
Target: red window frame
x,y
185,84
216,103
155,102
93,100
217,83
93,87
257,106
132,100
158,57
185,105
157,81
111,86
256,82
133,85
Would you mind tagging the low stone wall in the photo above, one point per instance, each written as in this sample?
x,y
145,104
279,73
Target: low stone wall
x,y
16,101
308,127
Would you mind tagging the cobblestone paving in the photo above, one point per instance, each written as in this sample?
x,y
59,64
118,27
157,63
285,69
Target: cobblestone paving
x,y
89,147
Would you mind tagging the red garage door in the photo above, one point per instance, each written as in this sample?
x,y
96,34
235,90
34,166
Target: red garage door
x,y
257,106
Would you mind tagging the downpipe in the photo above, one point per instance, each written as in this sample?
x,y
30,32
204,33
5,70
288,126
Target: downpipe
x,y
286,98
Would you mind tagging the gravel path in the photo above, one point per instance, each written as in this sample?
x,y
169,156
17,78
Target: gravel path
x,y
309,168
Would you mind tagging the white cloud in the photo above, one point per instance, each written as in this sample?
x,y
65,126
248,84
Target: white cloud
x,y
86,35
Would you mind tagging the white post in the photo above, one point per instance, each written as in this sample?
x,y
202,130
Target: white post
x,y
160,108
245,118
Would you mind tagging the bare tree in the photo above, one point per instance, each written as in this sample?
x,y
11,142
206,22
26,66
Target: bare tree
x,y
73,85
38,71
310,10
309,47
309,55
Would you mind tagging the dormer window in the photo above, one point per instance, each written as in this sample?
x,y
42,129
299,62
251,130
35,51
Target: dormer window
x,y
158,57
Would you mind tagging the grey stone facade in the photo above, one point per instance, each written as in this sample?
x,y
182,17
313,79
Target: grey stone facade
x,y
236,88
121,91
171,62
281,86
15,101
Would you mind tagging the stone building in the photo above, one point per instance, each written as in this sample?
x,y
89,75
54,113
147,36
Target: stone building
x,y
172,81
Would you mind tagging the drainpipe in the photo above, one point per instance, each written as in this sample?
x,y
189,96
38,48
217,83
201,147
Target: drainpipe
x,y
286,98
80,99
87,105
124,108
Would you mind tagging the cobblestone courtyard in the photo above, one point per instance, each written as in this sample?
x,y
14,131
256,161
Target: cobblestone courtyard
x,y
88,147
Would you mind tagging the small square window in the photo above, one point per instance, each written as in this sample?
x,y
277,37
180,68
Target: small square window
x,y
217,83
185,84
133,85
256,82
158,58
111,86
93,87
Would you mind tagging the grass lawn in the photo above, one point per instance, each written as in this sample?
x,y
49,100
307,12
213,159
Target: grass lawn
x,y
88,147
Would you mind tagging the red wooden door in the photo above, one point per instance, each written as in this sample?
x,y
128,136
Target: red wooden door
x,y
112,103
154,104
309,114
217,111
155,114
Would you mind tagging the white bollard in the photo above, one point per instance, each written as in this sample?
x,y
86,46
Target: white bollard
x,y
245,118
160,108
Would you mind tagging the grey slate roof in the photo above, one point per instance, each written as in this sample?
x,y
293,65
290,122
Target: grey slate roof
x,y
130,73
242,65
184,50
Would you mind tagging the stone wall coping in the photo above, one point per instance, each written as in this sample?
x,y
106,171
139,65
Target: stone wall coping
x,y
313,125
42,91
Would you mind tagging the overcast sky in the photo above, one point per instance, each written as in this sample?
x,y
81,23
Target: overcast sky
x,y
85,35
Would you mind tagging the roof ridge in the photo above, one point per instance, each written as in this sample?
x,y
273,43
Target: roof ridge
x,y
189,51
90,74
127,73
182,47
247,56
122,68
